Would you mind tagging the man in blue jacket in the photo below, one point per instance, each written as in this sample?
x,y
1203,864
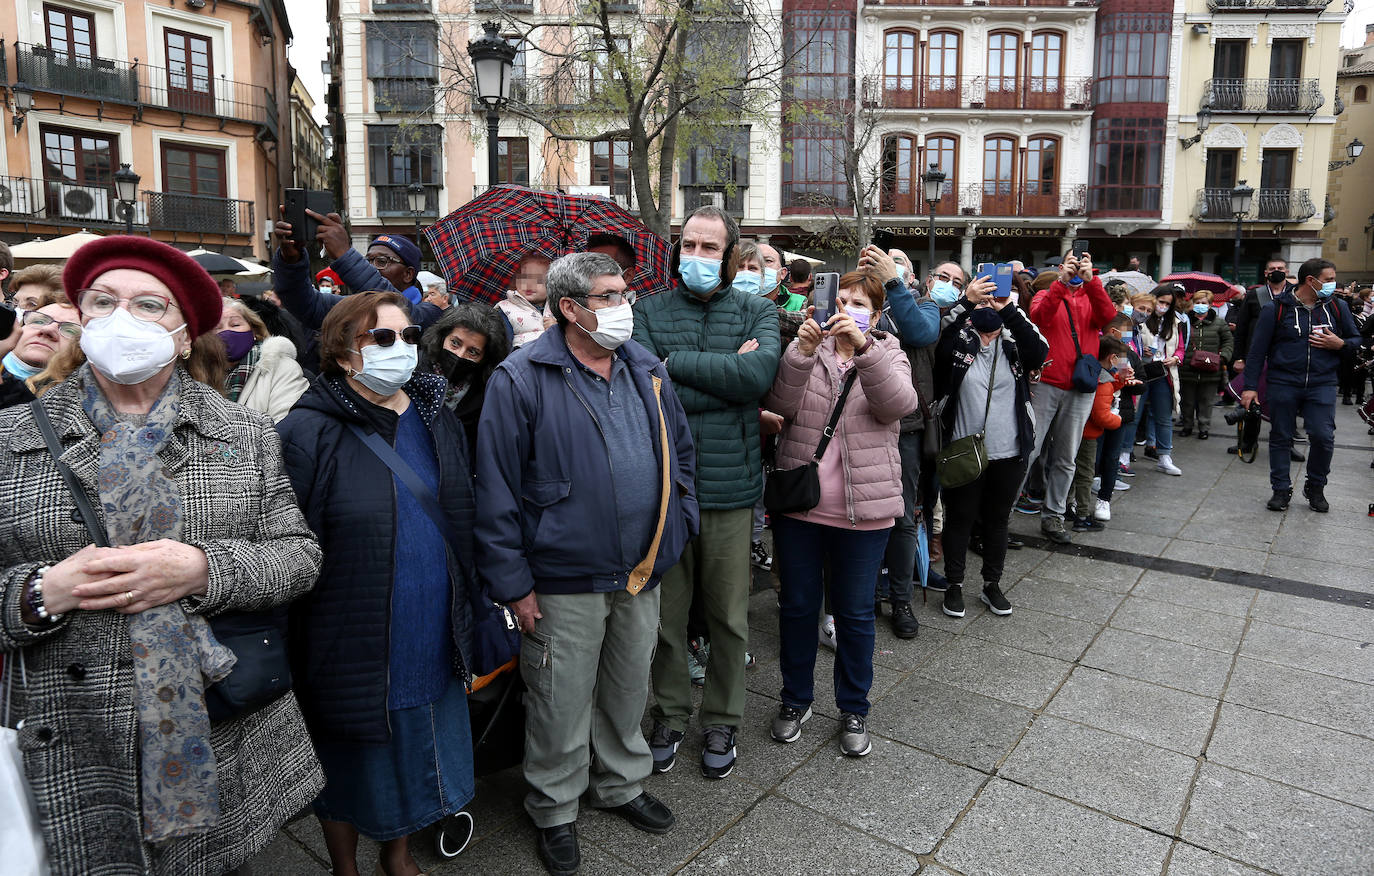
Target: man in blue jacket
x,y
1301,336
585,497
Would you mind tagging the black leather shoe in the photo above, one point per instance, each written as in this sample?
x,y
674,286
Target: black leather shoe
x,y
647,813
558,849
1279,501
1315,497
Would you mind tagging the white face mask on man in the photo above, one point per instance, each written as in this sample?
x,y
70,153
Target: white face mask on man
x,y
614,325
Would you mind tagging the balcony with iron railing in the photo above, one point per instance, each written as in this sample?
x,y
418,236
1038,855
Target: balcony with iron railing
x,y
1072,93
140,85
1049,4
394,200
1299,96
198,214
1009,199
399,95
1310,6
72,205
503,6
1283,206
401,6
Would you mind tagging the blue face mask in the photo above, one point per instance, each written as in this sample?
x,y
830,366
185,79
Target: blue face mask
x,y
770,280
901,272
1127,336
1327,290
1201,309
701,276
18,367
944,294
748,282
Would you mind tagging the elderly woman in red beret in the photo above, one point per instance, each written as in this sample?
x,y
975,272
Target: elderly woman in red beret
x,y
118,653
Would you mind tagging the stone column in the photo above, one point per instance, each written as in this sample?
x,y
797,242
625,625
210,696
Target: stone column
x,y
1166,256
966,250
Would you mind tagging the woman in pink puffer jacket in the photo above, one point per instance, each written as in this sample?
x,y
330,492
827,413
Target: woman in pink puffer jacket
x,y
861,494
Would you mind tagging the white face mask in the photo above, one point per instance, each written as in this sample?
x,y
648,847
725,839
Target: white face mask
x,y
128,350
614,325
387,369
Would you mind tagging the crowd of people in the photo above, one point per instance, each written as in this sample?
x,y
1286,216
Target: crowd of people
x,y
257,553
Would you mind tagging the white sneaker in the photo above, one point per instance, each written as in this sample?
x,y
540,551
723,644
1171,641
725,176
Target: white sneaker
x,y
1121,485
826,632
1166,465
1103,511
1097,484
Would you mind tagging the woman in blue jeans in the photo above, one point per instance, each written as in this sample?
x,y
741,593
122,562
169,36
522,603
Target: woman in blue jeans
x,y
860,496
1164,336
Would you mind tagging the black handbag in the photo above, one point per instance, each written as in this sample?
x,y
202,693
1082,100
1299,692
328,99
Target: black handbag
x,y
495,635
792,490
262,672
1086,369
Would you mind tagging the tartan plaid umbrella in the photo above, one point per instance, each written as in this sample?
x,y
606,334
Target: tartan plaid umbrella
x,y
480,245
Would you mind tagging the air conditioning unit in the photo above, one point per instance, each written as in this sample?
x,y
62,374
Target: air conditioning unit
x,y
80,202
713,199
15,198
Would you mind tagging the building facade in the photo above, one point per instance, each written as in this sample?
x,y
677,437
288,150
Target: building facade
x,y
308,156
1348,239
192,97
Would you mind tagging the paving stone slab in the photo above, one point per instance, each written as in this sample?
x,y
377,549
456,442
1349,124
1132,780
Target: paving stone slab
x,y
1037,632
1012,831
1160,661
949,721
1329,544
512,852
1278,828
1314,652
1189,860
780,837
1119,537
285,856
1216,596
1133,780
1065,599
1093,573
1322,571
1007,674
905,796
1314,615
1180,623
1162,716
1315,759
1307,696
767,680
905,655
1213,555
1133,516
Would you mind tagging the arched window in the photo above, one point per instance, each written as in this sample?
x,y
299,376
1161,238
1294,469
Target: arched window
x,y
899,69
942,150
1040,177
1045,79
1361,94
942,69
1004,50
999,176
901,188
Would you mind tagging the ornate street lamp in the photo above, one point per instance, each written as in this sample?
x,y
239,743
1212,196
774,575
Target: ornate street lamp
x,y
23,102
126,189
933,181
1241,197
1353,149
493,59
1204,119
415,194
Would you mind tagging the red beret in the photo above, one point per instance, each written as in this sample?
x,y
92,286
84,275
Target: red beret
x,y
195,292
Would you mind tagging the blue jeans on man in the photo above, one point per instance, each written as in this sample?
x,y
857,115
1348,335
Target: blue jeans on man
x,y
1317,405
900,558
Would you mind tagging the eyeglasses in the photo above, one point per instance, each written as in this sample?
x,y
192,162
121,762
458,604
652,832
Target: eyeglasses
x,y
949,278
69,330
147,306
385,337
381,261
614,299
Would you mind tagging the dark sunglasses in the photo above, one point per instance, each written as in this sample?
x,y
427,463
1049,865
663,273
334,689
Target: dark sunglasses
x,y
385,337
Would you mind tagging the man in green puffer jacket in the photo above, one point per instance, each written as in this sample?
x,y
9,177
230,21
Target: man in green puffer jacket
x,y
721,350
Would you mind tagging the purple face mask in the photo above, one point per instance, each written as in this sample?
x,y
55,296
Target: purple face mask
x,y
237,344
860,316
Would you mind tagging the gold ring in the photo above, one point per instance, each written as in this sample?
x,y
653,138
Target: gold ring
x,y
129,597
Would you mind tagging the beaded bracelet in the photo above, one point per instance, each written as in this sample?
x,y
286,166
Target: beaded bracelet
x,y
34,597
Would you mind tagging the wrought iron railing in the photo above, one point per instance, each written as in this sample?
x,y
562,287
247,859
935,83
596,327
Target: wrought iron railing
x,y
1268,5
45,70
1019,3
394,200
1262,96
1269,205
392,94
1006,198
198,214
979,92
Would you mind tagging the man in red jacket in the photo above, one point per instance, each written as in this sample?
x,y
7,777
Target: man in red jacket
x,y
1060,410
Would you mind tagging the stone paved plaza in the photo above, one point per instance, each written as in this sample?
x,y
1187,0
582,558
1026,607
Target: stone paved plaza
x,y
1190,692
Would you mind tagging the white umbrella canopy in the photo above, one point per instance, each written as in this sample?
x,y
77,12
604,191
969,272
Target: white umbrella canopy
x,y
790,257
1138,281
55,250
249,269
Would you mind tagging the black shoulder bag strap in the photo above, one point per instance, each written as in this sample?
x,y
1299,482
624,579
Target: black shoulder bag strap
x,y
835,415
399,467
99,537
1073,331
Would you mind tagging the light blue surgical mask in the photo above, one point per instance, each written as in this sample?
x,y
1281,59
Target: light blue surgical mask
x,y
1201,309
901,272
1127,336
944,294
18,367
701,276
770,280
1327,289
748,282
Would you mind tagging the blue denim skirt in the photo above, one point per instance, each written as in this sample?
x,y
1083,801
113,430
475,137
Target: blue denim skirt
x,y
423,774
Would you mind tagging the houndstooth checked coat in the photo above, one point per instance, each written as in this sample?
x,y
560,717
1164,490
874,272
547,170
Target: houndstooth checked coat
x,y
79,736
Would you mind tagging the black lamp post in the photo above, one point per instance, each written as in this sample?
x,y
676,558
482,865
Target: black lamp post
x,y
1353,149
492,61
415,194
126,189
1241,196
23,102
933,181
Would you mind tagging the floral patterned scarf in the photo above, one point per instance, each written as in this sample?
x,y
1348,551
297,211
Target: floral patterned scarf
x,y
175,656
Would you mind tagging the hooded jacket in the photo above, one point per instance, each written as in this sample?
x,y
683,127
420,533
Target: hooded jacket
x,y
340,634
276,382
525,320
544,479
1280,341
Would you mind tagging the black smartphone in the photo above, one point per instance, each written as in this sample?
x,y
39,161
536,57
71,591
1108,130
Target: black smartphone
x,y
303,227
827,286
8,316
1080,248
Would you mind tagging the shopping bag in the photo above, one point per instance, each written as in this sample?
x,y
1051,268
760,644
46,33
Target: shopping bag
x,y
21,839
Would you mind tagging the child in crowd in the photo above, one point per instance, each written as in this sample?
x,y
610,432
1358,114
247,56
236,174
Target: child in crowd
x,y
1111,355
